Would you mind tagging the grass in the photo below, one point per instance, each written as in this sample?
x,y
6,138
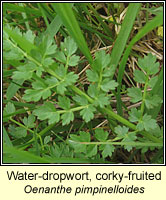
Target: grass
x,y
82,115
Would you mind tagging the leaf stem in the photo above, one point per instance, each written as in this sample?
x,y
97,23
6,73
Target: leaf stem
x,y
21,125
67,64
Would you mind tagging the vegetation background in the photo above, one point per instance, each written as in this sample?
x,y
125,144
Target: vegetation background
x,y
83,83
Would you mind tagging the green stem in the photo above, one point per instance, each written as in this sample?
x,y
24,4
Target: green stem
x,y
21,125
41,133
72,109
81,93
41,142
67,64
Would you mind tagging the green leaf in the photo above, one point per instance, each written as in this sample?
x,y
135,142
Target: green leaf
x,y
13,54
135,94
139,76
147,123
60,56
67,16
102,100
64,102
92,75
6,138
108,85
81,100
101,61
107,150
67,118
130,137
87,113
83,137
134,115
75,141
9,108
152,101
25,71
47,111
47,47
158,132
149,64
47,139
13,88
60,70
74,60
35,53
126,136
36,95
69,46
29,122
152,82
149,26
109,71
101,135
51,81
78,148
70,78
17,132
21,41
121,131
91,150
22,75
47,62
30,36
92,90
40,91
61,88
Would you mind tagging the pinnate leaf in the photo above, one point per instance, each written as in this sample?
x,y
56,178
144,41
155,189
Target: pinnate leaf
x,y
70,78
139,76
91,150
101,61
92,90
29,121
64,102
101,135
101,100
47,111
60,56
17,132
134,115
121,131
76,139
69,46
81,100
92,75
9,108
149,64
67,118
147,123
108,85
152,101
107,150
135,94
88,113
73,61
